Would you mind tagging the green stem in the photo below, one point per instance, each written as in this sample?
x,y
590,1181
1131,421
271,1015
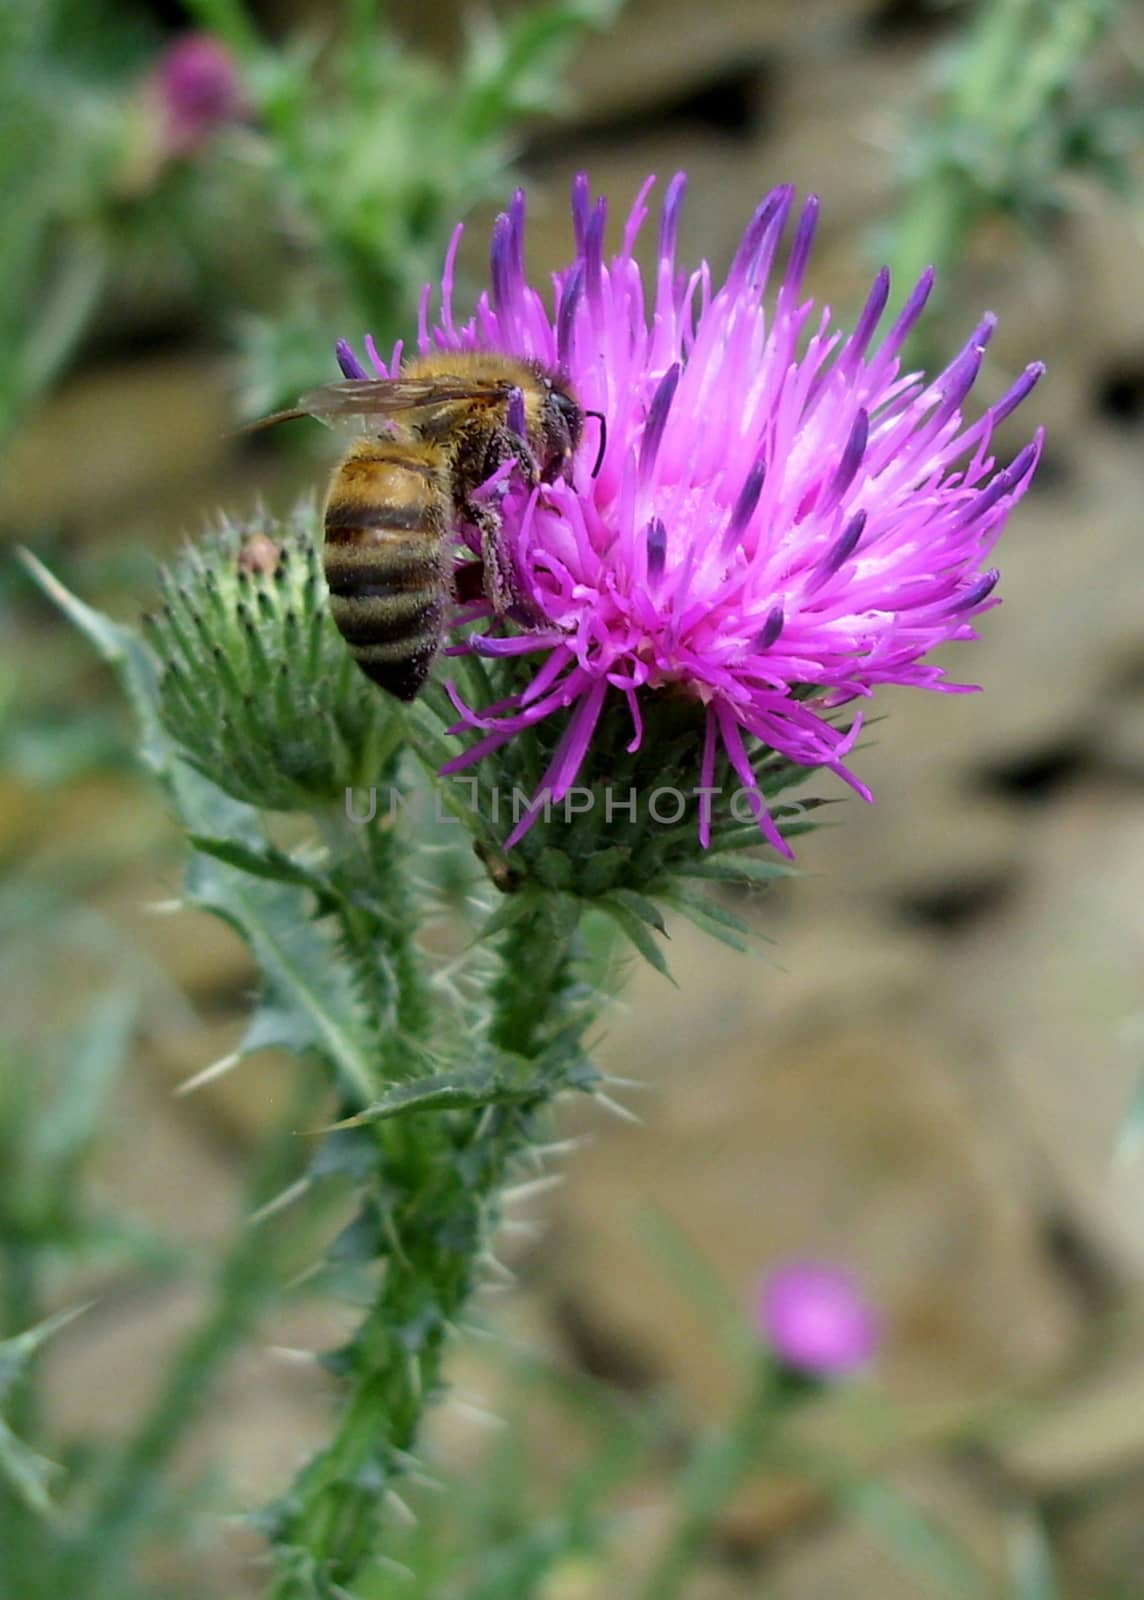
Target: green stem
x,y
534,975
378,930
247,1278
437,1179
721,1462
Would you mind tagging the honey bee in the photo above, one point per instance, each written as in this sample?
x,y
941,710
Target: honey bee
x,y
445,426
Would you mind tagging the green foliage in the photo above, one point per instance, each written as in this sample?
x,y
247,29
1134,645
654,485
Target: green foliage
x,y
1022,109
373,152
299,1011
358,149
53,257
47,1136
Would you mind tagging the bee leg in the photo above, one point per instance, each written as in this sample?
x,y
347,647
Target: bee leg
x,y
505,445
499,584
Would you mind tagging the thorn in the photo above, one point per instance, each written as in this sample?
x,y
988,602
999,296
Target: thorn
x,y
292,1356
478,1414
402,1512
497,1267
535,1186
625,1083
165,908
398,1568
292,1192
416,1472
476,1330
444,984
314,1270
560,1147
392,1235
616,1109
217,1069
521,1230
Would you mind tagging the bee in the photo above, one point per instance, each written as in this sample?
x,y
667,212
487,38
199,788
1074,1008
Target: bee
x,y
405,487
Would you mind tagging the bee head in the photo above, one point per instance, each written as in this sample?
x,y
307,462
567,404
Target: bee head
x,y
563,425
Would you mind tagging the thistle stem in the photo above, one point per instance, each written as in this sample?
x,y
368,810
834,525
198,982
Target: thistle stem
x,y
721,1462
534,975
439,1175
378,934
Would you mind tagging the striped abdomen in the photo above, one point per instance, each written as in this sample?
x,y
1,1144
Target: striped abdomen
x,y
387,559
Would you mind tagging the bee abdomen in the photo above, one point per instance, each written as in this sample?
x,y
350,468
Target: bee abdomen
x,y
386,572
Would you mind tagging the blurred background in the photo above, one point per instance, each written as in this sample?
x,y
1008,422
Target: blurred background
x,y
926,1076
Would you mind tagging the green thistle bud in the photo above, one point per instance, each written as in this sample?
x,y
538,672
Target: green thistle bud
x,y
629,827
257,688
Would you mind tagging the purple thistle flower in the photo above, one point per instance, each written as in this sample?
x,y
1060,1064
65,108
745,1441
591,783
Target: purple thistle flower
x,y
196,87
781,519
816,1319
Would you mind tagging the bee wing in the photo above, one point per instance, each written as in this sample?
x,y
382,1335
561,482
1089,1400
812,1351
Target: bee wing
x,y
380,397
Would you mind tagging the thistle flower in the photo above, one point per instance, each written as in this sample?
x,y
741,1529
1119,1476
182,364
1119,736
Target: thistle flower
x,y
781,519
195,87
816,1319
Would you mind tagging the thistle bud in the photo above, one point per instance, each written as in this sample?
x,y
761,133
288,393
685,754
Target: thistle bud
x,y
257,688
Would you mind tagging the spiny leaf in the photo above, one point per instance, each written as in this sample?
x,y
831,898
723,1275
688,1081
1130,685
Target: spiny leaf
x,y
743,868
468,1089
305,977
16,1353
693,1274
643,908
512,908
309,988
28,1474
64,1134
124,652
910,1534
708,916
271,864
637,932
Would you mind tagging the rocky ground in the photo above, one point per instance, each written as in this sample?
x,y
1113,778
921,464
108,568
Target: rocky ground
x,y
924,1075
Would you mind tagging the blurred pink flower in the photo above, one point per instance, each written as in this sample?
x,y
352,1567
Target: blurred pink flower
x,y
196,87
816,1319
